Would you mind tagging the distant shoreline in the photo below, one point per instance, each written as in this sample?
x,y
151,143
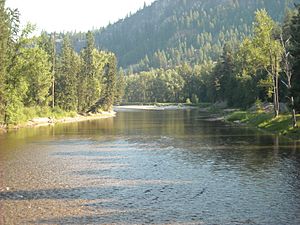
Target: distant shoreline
x,y
153,107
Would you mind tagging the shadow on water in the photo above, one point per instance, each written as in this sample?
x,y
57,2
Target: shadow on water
x,y
122,204
163,168
139,216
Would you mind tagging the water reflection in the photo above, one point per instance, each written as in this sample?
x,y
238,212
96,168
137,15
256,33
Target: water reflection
x,y
159,167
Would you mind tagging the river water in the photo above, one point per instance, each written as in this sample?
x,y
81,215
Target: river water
x,y
148,167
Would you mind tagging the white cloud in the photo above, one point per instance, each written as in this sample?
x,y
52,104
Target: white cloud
x,y
70,15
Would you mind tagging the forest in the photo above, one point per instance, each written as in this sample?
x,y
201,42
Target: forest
x,y
38,79
232,51
264,67
169,33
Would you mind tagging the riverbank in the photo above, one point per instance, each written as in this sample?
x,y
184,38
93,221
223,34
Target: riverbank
x,y
48,121
282,125
154,107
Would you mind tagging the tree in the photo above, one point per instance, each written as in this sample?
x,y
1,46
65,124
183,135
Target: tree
x,y
222,79
108,93
287,68
174,83
257,56
269,51
228,79
295,52
4,39
33,65
107,97
66,82
120,86
89,85
14,85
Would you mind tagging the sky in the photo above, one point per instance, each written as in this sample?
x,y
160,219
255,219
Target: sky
x,y
74,15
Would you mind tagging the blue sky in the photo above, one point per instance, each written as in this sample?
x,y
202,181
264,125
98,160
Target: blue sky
x,y
71,15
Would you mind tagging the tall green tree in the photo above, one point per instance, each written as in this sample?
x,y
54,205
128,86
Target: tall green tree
x,y
258,61
67,77
33,65
295,52
4,39
89,79
228,80
269,51
109,82
14,85
120,86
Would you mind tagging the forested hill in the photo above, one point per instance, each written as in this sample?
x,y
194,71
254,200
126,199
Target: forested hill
x,y
171,31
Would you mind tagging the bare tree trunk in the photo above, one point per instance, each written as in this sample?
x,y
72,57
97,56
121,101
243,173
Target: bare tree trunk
x,y
276,87
294,118
274,97
289,75
274,75
53,72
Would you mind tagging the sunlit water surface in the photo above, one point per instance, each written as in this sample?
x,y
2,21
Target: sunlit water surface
x,y
148,167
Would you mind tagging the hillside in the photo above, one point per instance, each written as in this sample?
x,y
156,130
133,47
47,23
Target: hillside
x,y
169,32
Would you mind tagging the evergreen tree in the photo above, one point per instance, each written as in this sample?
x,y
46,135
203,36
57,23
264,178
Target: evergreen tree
x,y
66,82
228,80
88,92
33,66
108,93
295,51
120,86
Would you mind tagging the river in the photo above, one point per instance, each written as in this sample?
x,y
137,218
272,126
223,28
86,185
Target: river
x,y
149,167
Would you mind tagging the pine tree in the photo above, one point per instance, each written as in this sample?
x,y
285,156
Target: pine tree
x,y
228,81
110,83
66,82
295,51
120,86
87,91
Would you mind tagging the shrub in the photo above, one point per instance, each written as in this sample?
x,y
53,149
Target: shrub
x,y
195,99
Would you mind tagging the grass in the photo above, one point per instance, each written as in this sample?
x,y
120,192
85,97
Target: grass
x,y
29,113
281,125
35,112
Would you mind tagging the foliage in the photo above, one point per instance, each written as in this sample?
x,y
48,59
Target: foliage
x,y
244,73
28,67
170,33
266,121
67,77
295,52
207,51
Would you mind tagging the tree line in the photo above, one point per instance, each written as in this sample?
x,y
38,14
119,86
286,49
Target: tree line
x,y
264,66
34,75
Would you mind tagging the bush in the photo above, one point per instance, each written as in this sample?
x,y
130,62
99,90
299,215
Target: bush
x,y
259,105
237,116
188,101
195,99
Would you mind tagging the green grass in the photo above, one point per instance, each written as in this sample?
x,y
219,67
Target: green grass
x,y
237,116
281,125
41,112
58,113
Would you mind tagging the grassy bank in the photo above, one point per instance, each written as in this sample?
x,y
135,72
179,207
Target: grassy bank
x,y
36,116
281,125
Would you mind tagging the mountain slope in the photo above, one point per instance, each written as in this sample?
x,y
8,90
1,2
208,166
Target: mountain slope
x,y
172,31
